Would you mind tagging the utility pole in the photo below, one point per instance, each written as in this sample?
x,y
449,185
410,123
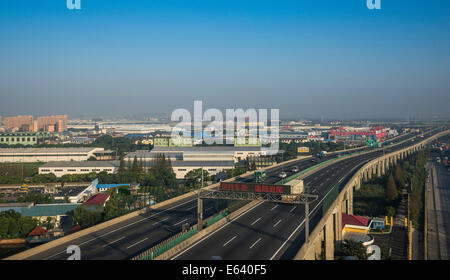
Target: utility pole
x,y
200,207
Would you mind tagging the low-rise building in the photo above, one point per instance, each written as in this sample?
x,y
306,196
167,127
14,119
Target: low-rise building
x,y
47,154
60,168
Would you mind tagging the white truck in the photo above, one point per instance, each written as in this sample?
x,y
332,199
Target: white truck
x,y
297,187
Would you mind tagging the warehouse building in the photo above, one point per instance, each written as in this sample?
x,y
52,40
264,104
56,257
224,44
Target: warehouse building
x,y
61,168
214,159
47,154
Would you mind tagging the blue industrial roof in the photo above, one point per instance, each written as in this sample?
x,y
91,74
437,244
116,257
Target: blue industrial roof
x,y
44,209
107,186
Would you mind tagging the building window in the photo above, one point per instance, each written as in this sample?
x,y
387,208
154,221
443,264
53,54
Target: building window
x,y
12,139
59,170
71,170
28,139
1,139
181,169
23,139
34,139
212,169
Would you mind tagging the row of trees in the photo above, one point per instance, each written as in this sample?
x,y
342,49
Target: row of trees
x,y
14,225
380,196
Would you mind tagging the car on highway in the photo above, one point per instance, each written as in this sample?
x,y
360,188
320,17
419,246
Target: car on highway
x,y
282,175
295,169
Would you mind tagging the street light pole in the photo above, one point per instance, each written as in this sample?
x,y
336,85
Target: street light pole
x,y
200,208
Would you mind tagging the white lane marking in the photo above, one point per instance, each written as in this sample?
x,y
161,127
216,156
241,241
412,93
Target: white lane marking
x,y
277,223
191,208
161,221
137,243
274,207
310,213
113,241
256,221
109,232
180,222
229,241
212,233
255,243
293,209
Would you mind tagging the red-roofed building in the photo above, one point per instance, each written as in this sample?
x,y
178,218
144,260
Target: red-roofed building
x,y
75,229
37,231
355,223
98,199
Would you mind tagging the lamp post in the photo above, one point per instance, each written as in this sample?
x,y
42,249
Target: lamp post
x,y
200,207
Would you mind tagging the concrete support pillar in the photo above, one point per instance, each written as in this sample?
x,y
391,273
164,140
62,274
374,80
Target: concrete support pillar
x,y
379,169
329,239
383,167
358,181
350,200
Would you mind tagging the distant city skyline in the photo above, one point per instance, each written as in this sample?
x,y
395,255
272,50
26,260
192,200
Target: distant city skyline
x,y
309,59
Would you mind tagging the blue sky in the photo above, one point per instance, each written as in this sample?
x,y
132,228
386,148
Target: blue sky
x,y
308,58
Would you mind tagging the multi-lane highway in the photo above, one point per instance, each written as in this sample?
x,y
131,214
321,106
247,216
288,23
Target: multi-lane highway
x,y
276,230
128,238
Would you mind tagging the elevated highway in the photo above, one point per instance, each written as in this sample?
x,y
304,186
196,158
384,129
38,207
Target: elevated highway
x,y
129,235
276,231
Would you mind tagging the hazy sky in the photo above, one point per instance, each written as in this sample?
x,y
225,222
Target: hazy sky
x,y
310,58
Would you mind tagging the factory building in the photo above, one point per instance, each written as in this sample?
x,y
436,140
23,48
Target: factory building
x,y
214,159
61,168
360,135
47,154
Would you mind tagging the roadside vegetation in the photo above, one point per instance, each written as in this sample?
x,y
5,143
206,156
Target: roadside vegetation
x,y
14,225
380,197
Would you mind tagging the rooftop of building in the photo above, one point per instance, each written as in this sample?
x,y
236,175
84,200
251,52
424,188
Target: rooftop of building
x,y
354,220
222,148
37,231
17,204
71,191
199,164
98,199
93,163
47,150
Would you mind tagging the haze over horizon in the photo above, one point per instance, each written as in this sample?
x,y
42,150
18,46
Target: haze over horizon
x,y
310,59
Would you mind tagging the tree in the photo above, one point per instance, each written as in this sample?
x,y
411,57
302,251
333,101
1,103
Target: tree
x,y
391,190
85,217
135,166
122,167
399,178
353,248
194,177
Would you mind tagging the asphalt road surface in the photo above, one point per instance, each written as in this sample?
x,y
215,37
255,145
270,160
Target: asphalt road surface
x,y
438,203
